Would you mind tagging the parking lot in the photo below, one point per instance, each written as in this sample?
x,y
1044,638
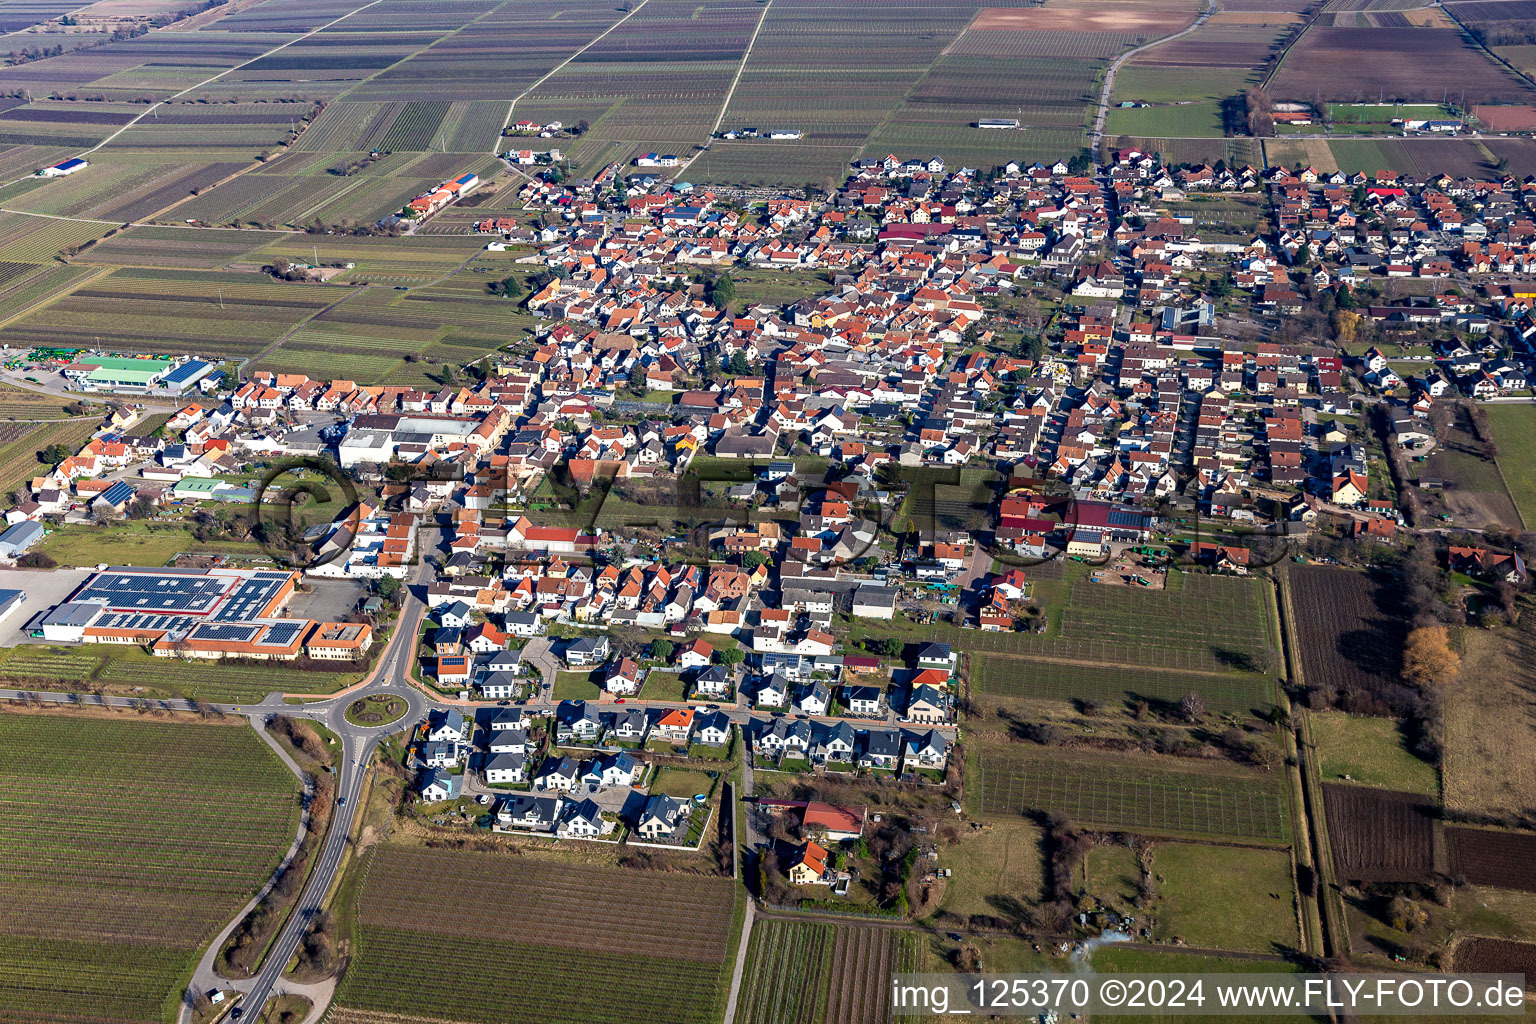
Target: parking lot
x,y
44,589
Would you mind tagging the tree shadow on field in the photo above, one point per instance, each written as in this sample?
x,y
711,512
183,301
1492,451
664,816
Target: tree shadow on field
x,y
1237,661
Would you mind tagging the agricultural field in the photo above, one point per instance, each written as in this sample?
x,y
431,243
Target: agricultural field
x,y
815,973
38,240
1514,429
1005,676
1405,64
1486,857
506,950
1474,490
133,542
1160,630
1171,119
16,404
1150,83
222,315
108,906
1378,835
1130,794
1370,751
130,670
20,444
1348,640
176,248
1495,956
1489,763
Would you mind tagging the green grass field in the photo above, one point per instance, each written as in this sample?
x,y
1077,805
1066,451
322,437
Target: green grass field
x,y
1370,751
1004,676
1378,113
125,863
1514,429
130,670
682,782
991,868
1129,794
664,686
1225,897
131,543
1198,119
1172,85
1130,959
577,686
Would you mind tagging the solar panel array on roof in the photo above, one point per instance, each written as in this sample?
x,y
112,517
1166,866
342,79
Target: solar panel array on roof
x,y
225,632
251,598
281,634
153,592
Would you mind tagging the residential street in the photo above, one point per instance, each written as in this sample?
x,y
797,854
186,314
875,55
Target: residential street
x,y
392,676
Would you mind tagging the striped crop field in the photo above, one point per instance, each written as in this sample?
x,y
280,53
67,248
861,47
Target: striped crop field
x,y
512,945
1118,793
127,845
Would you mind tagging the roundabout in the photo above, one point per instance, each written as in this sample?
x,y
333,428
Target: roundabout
x,y
376,710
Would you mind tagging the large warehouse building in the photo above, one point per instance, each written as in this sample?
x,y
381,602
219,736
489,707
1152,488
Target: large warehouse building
x,y
198,613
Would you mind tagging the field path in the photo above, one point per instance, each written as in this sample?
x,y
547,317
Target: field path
x,y
741,961
1114,68
726,103
496,144
204,977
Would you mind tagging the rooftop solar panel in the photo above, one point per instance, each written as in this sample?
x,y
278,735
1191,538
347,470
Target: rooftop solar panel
x,y
281,634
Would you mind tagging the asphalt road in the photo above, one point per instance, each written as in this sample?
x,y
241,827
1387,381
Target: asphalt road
x,y
358,744
392,677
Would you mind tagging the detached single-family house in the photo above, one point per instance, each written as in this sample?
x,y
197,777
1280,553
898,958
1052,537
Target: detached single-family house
x,y
882,750
928,750
926,705
662,817
529,811
506,769
808,864
711,728
576,721
556,775
446,726
583,819
438,785
587,652
676,726
628,726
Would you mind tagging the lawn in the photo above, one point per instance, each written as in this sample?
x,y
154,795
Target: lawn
x,y
131,543
1371,751
662,685
682,782
108,906
577,686
1514,428
1224,897
994,870
776,287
